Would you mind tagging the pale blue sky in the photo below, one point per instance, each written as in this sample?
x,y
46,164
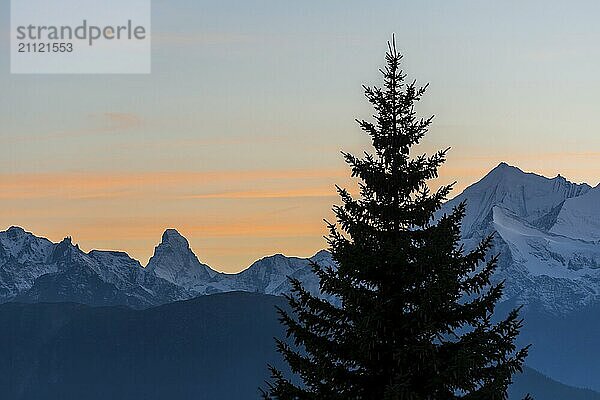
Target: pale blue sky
x,y
275,86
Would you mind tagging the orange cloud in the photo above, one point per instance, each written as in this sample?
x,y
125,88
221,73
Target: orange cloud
x,y
261,194
152,229
108,185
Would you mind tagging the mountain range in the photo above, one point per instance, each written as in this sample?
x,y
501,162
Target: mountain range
x,y
546,231
33,270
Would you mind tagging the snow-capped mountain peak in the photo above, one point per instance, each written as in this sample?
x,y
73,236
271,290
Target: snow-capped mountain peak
x,y
547,235
547,232
174,239
63,250
579,217
529,196
174,261
23,246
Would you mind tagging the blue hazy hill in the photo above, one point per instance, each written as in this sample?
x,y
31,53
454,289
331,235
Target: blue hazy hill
x,y
209,348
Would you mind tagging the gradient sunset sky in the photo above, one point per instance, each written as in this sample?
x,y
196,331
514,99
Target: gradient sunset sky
x,y
234,138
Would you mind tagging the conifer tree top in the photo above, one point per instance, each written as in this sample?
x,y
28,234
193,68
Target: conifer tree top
x,y
407,313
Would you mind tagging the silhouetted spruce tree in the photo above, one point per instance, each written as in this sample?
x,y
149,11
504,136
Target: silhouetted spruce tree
x,y
414,319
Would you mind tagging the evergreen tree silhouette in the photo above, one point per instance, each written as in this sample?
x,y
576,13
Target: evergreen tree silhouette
x,y
413,316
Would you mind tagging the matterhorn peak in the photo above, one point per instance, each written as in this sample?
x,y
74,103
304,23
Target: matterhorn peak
x,y
174,260
173,238
175,247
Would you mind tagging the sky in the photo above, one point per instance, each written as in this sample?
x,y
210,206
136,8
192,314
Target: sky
x,y
234,138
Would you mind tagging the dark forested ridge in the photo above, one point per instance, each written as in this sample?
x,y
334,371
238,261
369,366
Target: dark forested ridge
x,y
210,348
214,347
545,388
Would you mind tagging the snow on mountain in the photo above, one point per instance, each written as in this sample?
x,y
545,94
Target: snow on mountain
x,y
270,275
550,272
544,231
22,260
547,232
116,267
95,278
529,196
175,262
545,253
23,246
579,217
33,269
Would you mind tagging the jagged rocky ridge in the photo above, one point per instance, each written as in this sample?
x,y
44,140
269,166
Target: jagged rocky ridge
x,y
546,230
33,269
